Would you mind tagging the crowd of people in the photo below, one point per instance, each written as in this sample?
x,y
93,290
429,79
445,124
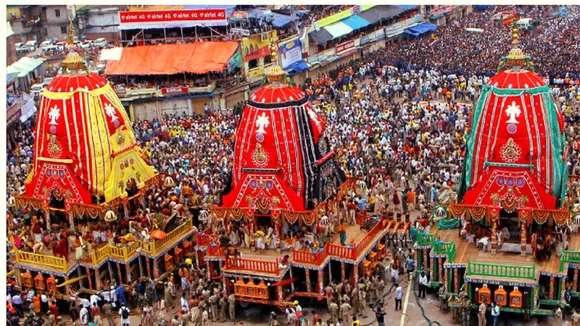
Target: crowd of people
x,y
479,53
400,128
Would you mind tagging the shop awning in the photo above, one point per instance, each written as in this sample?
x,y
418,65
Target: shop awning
x,y
298,66
407,7
420,29
170,59
27,110
320,37
338,29
23,66
377,13
356,22
282,20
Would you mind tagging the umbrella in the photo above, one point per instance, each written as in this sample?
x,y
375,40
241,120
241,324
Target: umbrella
x,y
158,235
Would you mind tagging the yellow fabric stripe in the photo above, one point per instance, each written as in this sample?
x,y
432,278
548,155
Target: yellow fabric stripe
x,y
66,95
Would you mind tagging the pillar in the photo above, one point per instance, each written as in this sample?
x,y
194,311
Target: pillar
x,y
562,289
441,279
81,282
110,270
156,273
89,277
277,231
196,255
455,280
148,266
321,282
228,285
308,284
425,260
417,257
140,266
355,273
291,276
552,283
523,237
575,284
125,209
98,279
128,270
329,271
342,272
210,269
18,278
279,293
494,238
67,287
119,274
446,278
47,218
434,268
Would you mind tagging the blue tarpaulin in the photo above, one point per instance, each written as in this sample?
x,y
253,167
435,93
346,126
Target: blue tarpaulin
x,y
282,20
420,29
298,66
356,22
407,7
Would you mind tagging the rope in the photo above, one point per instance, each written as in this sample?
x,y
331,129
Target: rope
x,y
429,321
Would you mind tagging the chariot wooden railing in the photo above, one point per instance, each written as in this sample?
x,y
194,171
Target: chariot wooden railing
x,y
156,246
58,263
309,257
260,266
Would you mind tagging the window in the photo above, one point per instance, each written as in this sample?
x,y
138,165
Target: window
x,y
253,64
57,12
63,29
267,59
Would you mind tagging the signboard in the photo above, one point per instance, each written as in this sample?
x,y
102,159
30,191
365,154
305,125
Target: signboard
x,y
235,61
258,46
240,31
256,72
355,10
439,11
239,15
174,90
187,17
340,16
345,46
290,52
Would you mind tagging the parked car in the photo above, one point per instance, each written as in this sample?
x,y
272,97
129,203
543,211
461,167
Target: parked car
x,y
36,90
100,42
33,44
47,80
22,49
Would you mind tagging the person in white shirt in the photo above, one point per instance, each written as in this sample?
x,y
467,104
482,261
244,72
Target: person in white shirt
x,y
84,316
422,285
106,296
95,300
398,297
124,313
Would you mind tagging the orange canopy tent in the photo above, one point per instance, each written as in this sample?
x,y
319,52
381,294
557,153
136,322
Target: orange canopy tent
x,y
169,59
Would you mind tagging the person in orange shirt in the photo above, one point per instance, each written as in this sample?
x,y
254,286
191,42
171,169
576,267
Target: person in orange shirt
x,y
411,199
36,302
342,233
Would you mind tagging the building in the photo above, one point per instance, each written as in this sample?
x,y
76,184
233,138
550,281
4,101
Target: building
x,y
39,22
10,45
99,21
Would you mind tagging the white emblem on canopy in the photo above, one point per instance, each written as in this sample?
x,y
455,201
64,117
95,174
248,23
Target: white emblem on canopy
x,y
262,122
513,111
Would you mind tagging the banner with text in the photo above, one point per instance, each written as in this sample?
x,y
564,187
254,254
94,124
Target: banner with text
x,y
172,18
290,52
